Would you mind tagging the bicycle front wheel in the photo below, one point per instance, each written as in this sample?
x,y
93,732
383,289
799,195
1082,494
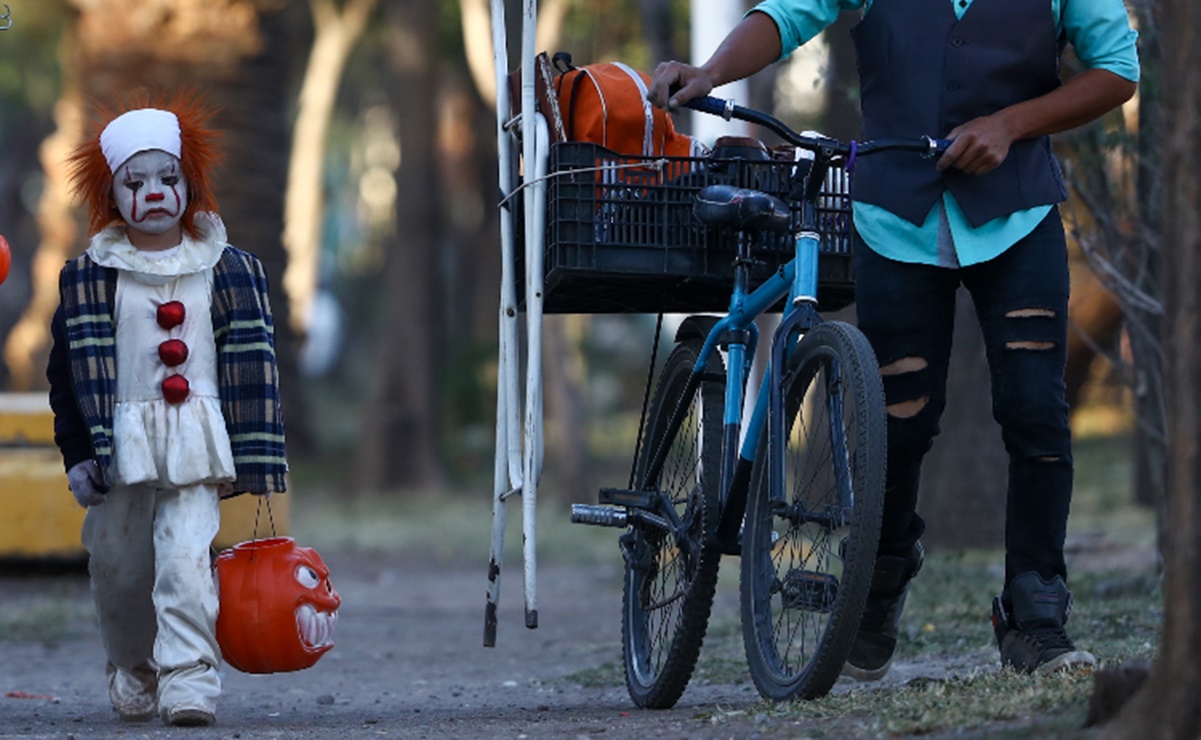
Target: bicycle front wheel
x,y
809,547
670,577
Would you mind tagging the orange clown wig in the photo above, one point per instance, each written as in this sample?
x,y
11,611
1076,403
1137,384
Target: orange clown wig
x,y
196,145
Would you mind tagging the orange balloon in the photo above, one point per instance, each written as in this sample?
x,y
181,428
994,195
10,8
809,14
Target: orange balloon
x,y
6,258
278,609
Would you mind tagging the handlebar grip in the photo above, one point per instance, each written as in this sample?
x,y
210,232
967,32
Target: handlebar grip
x,y
711,105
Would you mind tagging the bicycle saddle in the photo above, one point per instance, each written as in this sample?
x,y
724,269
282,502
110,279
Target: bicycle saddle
x,y
746,210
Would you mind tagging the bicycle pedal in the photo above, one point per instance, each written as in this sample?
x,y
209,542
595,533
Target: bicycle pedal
x,y
809,591
622,497
600,516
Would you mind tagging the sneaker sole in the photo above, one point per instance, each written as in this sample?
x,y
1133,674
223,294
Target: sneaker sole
x,y
1074,659
190,718
866,674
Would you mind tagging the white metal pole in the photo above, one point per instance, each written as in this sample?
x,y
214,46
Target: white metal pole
x,y
506,375
534,238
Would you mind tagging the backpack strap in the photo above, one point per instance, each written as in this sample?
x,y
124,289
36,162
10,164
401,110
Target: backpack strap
x,y
648,111
600,95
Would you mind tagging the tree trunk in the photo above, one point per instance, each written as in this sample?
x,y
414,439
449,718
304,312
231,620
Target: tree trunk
x,y
399,431
336,33
1166,706
965,476
1147,346
253,94
568,458
658,29
476,23
475,166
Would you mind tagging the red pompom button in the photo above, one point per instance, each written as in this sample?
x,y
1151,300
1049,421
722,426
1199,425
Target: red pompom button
x,y
170,315
173,352
175,389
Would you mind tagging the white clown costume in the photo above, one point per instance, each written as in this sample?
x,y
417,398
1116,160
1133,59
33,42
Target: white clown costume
x,y
148,384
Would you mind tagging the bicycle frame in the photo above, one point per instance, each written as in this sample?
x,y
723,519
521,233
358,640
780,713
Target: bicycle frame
x,y
797,280
810,538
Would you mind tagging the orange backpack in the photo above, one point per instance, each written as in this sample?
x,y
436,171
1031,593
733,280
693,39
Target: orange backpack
x,y
606,104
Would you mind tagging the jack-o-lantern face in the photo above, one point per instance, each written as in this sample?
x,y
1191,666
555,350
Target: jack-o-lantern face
x,y
278,607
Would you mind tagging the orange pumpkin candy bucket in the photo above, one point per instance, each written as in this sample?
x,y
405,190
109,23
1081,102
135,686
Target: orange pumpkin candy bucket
x,y
278,609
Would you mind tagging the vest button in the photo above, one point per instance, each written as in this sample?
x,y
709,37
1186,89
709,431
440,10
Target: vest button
x,y
957,42
953,86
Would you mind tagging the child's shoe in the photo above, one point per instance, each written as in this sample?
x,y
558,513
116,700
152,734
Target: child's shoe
x,y
134,694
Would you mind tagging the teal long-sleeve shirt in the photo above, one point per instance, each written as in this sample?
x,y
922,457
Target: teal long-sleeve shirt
x,y
1099,32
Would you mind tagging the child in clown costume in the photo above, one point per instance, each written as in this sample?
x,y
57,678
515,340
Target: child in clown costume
x,y
165,393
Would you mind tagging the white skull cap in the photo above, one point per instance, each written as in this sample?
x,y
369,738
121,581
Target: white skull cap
x,y
139,131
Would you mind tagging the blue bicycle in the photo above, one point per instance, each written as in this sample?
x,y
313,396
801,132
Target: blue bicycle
x,y
800,500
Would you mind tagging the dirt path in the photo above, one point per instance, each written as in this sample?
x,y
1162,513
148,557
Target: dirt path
x,y
409,663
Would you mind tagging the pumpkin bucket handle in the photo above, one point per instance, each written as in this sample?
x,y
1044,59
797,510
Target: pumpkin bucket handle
x,y
257,512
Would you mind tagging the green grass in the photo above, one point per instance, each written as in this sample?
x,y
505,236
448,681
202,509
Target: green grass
x,y
46,620
1117,615
1118,605
981,701
448,527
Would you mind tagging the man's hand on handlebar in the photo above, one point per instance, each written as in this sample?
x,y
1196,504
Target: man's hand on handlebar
x,y
675,83
978,146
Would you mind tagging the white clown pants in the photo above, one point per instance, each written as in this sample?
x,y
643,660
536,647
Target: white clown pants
x,y
153,587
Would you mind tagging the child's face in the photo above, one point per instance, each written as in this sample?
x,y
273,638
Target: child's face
x,y
151,192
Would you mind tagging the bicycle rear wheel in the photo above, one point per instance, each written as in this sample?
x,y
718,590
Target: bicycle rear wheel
x,y
808,550
670,577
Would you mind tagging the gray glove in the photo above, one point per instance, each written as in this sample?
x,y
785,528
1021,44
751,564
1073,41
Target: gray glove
x,y
87,483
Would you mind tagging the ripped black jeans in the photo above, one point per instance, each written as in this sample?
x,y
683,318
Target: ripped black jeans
x,y
907,312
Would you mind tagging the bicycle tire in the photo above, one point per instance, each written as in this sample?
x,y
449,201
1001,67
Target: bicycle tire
x,y
671,577
807,561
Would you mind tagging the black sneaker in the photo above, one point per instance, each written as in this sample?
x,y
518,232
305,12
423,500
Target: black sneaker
x,y
871,653
1030,632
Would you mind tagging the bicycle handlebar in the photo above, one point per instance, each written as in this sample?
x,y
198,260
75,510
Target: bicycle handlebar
x,y
829,148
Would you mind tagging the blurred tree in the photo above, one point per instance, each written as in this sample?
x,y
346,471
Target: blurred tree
x,y
658,28
239,54
399,428
29,85
1166,706
336,32
1119,186
27,346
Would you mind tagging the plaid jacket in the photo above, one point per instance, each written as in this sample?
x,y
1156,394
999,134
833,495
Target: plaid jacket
x,y
82,368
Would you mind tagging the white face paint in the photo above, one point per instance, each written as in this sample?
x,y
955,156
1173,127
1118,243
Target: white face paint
x,y
151,192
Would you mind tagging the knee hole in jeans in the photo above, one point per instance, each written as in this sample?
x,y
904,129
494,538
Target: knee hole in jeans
x,y
1030,313
1030,345
904,365
907,409
911,408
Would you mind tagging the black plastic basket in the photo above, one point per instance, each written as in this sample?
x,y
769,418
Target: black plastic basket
x,y
622,238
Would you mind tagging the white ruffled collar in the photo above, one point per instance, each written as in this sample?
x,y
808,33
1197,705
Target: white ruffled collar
x,y
111,248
